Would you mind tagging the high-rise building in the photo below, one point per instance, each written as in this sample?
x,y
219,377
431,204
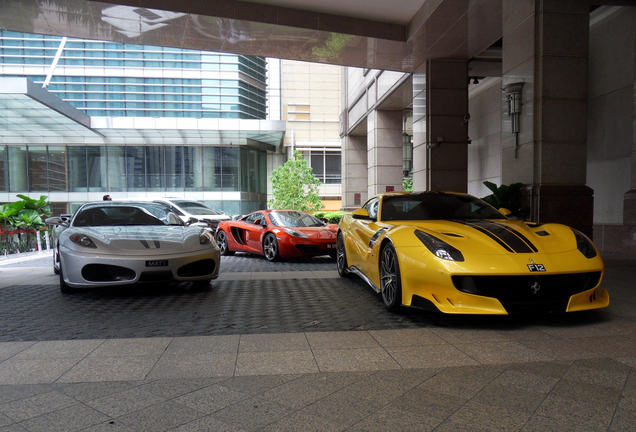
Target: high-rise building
x,y
145,121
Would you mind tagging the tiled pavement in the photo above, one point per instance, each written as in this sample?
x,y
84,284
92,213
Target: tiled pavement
x,y
563,375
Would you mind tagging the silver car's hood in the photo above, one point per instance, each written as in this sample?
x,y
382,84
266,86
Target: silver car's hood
x,y
144,238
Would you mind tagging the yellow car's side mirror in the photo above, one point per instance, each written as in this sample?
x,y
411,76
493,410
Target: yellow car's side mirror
x,y
505,211
360,214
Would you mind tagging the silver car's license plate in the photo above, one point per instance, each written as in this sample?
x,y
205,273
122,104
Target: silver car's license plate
x,y
157,263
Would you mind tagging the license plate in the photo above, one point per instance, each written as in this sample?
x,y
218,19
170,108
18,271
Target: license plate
x,y
157,263
331,246
536,267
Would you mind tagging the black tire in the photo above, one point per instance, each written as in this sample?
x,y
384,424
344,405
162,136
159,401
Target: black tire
x,y
341,257
270,248
64,287
221,241
390,278
56,261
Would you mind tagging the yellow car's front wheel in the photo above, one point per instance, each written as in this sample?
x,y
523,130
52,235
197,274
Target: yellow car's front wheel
x,y
341,257
390,279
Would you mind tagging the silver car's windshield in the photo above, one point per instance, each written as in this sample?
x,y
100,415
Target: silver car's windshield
x,y
294,219
196,208
436,206
125,215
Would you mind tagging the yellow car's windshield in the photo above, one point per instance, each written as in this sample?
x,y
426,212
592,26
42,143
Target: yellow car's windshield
x,y
435,206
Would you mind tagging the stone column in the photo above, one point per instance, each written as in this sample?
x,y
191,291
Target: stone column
x,y
354,172
545,46
440,129
384,151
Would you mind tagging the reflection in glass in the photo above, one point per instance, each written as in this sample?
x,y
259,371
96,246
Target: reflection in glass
x,y
97,167
155,168
135,168
38,169
116,168
57,169
4,180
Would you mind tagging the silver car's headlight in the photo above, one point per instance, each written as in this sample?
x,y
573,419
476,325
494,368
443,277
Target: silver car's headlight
x,y
439,248
206,237
294,233
83,240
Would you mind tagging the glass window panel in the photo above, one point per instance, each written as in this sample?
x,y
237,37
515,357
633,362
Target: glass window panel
x,y
174,168
212,168
57,168
116,168
38,169
253,167
135,168
193,168
333,169
97,168
155,168
4,180
230,168
244,185
318,165
262,172
77,169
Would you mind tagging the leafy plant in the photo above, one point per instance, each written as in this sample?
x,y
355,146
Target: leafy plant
x,y
295,187
333,217
42,205
506,196
18,220
407,184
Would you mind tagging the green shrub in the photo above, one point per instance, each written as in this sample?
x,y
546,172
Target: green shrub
x,y
333,217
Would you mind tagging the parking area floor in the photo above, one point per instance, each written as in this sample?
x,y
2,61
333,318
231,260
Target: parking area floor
x,y
293,347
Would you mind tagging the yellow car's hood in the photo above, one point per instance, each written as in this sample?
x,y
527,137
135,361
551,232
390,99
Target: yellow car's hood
x,y
490,237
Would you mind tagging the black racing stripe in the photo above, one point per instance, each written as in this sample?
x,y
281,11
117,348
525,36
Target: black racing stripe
x,y
520,235
145,243
488,233
157,244
515,243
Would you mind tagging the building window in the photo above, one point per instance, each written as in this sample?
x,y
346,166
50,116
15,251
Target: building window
x,y
326,165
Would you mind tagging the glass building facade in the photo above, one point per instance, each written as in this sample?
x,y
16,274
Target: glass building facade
x,y
99,77
115,80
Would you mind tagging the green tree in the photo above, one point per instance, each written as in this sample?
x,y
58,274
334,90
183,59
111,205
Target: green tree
x,y
407,184
295,187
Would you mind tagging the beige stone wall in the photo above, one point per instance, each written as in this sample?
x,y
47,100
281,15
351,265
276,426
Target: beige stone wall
x,y
484,131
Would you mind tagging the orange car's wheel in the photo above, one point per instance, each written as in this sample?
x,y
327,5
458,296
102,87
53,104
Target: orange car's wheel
x,y
221,241
270,248
341,257
390,279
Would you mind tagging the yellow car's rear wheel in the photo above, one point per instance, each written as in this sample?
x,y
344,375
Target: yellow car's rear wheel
x,y
390,279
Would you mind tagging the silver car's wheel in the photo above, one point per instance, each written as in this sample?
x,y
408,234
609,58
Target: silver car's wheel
x,y
64,288
221,241
341,257
270,248
390,279
56,261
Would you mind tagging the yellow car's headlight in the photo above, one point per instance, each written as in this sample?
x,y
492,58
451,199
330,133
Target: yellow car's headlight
x,y
438,247
584,245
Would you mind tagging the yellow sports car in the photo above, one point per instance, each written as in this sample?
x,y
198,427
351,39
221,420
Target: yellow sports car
x,y
456,254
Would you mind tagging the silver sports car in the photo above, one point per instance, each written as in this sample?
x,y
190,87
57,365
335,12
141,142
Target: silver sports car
x,y
114,243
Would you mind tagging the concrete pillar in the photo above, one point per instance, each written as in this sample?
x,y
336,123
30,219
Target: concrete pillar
x,y
545,46
440,129
354,172
384,151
